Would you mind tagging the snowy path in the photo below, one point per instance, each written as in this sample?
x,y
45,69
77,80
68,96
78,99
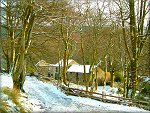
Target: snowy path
x,y
46,97
51,99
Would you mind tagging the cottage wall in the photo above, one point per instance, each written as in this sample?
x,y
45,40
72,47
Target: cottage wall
x,y
43,70
101,75
54,71
77,78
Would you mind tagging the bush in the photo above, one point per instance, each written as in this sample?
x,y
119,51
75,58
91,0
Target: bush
x,y
140,97
146,89
120,90
118,76
30,70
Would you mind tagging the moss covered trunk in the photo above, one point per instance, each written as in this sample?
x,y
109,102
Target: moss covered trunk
x,y
23,43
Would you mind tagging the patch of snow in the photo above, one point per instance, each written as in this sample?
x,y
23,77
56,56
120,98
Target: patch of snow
x,y
6,80
109,90
81,87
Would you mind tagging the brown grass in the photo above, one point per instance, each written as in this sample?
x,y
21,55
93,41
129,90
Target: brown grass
x,y
3,106
14,95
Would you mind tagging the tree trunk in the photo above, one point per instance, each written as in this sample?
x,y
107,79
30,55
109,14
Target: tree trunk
x,y
112,73
134,77
134,60
64,67
112,78
0,61
137,37
8,63
18,82
59,71
83,61
125,80
127,85
12,58
19,67
104,91
0,42
96,81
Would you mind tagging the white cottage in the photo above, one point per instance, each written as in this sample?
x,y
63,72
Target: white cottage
x,y
76,74
54,69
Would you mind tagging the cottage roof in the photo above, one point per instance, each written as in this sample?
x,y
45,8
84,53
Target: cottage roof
x,y
42,63
79,68
61,63
53,65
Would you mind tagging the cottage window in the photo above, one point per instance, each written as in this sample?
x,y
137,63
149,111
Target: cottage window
x,y
49,74
56,69
77,77
56,76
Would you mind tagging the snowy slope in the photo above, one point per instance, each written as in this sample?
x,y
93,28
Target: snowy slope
x,y
46,97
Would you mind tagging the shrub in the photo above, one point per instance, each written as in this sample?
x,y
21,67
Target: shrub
x,y
30,70
118,76
120,90
140,97
146,89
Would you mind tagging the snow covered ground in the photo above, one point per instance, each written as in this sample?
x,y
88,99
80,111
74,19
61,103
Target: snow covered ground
x,y
108,90
46,97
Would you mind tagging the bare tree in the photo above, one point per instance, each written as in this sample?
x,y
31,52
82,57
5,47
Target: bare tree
x,y
138,35
19,23
0,41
